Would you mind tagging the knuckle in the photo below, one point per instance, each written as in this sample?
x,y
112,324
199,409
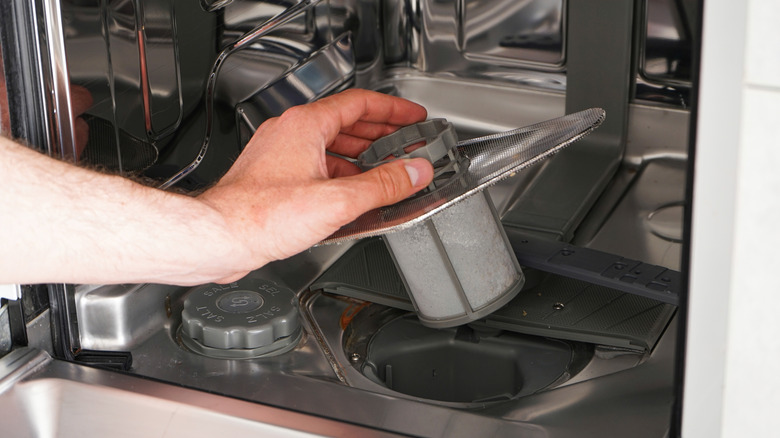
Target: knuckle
x,y
294,113
354,92
342,206
390,186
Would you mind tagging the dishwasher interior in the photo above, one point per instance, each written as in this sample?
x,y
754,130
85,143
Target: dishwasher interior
x,y
586,348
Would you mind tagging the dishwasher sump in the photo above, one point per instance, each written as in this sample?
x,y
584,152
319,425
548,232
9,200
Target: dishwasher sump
x,y
470,365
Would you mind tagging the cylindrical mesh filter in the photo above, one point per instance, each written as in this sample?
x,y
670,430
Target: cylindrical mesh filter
x,y
458,266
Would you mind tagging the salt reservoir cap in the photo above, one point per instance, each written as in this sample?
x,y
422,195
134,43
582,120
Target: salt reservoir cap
x,y
251,317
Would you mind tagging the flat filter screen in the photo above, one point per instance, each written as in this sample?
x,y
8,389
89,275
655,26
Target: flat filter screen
x,y
491,158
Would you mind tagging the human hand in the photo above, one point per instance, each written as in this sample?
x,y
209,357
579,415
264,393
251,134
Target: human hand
x,y
285,194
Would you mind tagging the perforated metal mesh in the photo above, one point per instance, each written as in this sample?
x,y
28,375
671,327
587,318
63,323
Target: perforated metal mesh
x,y
492,158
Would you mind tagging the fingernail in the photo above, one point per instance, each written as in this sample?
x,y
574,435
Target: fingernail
x,y
414,174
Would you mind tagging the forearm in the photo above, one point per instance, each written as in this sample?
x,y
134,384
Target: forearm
x,y
62,223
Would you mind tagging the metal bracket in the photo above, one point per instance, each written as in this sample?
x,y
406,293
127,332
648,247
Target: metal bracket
x,y
599,66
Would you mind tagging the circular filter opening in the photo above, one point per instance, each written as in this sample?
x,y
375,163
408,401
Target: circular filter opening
x,y
463,364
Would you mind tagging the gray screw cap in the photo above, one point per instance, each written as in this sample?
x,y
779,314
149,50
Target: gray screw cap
x,y
247,314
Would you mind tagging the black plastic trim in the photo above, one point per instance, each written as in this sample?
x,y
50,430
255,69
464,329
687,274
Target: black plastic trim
x,y
597,267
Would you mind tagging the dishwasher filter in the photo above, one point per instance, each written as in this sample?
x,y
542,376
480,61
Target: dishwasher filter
x,y
458,265
483,162
447,257
447,241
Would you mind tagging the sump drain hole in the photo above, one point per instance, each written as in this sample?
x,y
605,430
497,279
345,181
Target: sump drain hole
x,y
462,365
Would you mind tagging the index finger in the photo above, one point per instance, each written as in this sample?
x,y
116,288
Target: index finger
x,y
343,110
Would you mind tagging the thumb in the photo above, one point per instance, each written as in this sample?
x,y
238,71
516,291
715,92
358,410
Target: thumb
x,y
387,184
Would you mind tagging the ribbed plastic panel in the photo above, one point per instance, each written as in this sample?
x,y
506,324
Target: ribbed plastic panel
x,y
556,306
571,309
366,272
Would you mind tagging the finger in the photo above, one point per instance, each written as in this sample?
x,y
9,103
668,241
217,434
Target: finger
x,y
351,142
343,110
348,145
284,147
338,167
369,130
383,185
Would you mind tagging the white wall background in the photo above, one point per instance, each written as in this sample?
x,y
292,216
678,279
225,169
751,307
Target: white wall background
x,y
732,381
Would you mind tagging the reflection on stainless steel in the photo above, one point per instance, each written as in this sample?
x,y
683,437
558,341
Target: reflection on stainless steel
x,y
138,60
143,81
325,71
665,222
512,31
248,71
160,77
43,397
288,14
397,30
659,183
110,317
17,365
652,176
666,51
668,42
242,16
476,108
479,39
486,39
214,5
61,140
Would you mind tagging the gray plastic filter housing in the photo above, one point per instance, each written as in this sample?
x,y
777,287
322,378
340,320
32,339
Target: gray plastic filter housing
x,y
458,265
